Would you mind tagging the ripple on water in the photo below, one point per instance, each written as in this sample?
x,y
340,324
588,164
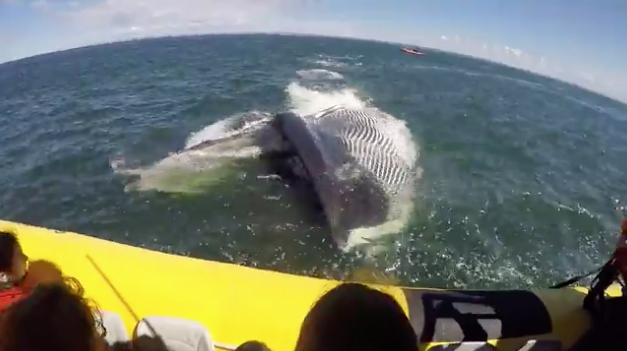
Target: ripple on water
x,y
521,174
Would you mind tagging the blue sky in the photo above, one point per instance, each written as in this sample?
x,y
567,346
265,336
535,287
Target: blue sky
x,y
579,41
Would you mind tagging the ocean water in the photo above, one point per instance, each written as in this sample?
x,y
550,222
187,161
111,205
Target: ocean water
x,y
522,178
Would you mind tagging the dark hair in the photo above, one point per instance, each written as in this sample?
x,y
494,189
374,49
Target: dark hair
x,y
53,317
355,317
252,345
8,242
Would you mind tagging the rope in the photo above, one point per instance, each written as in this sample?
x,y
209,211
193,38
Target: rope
x,y
130,310
575,279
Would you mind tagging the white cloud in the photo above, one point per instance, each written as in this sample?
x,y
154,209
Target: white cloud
x,y
590,77
111,20
513,51
7,38
543,62
38,4
159,17
444,37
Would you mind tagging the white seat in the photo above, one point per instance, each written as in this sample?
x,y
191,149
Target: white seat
x,y
542,345
531,345
178,334
113,324
464,346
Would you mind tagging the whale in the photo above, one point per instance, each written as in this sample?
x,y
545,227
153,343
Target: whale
x,y
350,160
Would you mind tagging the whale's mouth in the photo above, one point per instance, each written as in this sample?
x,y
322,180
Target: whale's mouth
x,y
287,151
339,161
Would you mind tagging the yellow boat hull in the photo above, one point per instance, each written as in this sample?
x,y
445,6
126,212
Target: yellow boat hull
x,y
237,303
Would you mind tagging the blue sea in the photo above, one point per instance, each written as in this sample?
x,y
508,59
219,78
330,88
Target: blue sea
x,y
521,184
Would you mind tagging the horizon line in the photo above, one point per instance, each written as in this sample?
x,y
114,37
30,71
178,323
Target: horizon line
x,y
299,34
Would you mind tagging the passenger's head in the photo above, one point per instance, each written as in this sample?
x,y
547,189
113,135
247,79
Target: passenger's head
x,y
355,317
13,261
252,345
53,317
42,272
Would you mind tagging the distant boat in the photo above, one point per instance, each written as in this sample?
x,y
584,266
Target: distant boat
x,y
411,51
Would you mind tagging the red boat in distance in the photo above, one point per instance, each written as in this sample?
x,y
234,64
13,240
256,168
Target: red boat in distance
x,y
411,51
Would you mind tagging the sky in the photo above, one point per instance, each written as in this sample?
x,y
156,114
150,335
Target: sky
x,y
583,42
